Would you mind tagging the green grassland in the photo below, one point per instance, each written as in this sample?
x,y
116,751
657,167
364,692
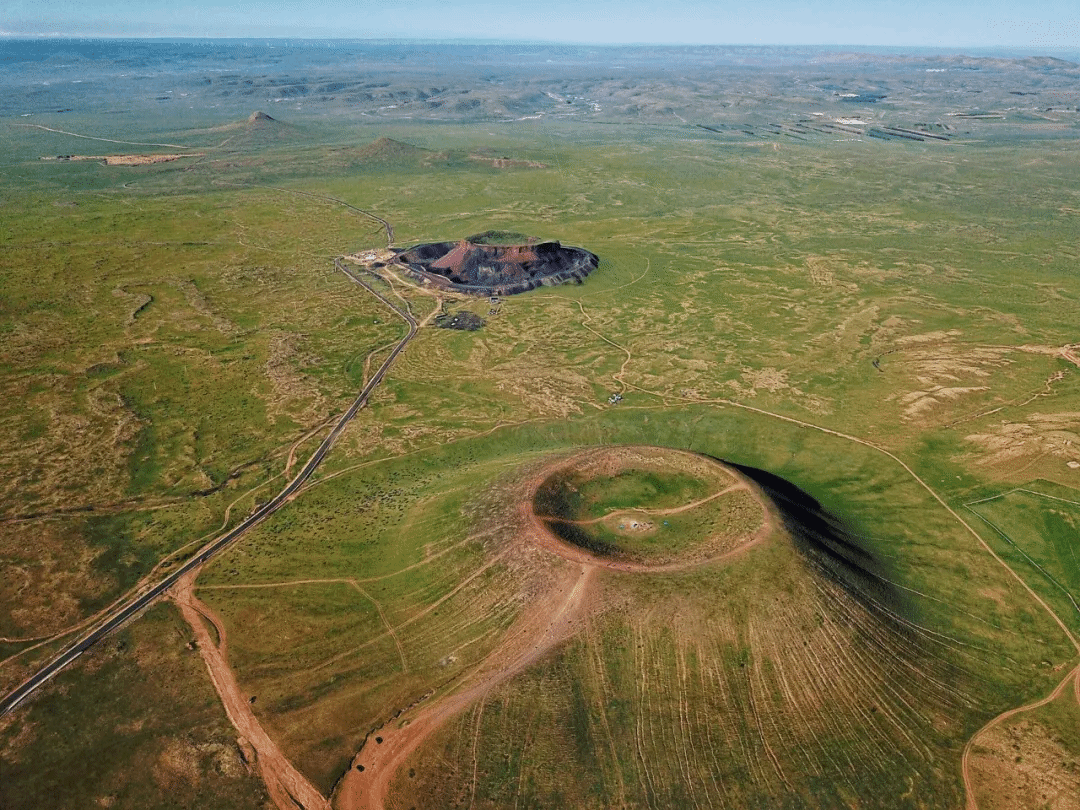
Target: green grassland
x,y
647,514
710,527
168,332
635,488
1037,531
705,530
135,724
322,688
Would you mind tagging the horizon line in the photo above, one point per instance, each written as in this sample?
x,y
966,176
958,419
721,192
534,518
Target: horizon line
x,y
59,36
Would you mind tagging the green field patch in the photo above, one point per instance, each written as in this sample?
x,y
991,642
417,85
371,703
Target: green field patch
x,y
645,504
1039,534
632,488
294,615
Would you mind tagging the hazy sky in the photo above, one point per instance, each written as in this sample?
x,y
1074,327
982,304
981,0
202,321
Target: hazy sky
x,y
1032,25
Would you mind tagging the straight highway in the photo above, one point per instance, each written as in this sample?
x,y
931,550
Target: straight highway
x,y
140,602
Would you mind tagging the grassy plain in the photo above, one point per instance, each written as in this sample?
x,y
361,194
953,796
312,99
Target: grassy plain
x,y
170,331
1036,529
135,724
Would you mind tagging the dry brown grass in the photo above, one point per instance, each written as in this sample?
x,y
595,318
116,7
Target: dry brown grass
x,y
1027,762
1054,435
49,571
130,160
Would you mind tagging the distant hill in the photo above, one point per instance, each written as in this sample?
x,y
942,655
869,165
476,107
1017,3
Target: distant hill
x,y
261,131
254,133
257,120
386,151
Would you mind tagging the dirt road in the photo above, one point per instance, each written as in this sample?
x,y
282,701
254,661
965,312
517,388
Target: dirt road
x,y
123,612
544,626
550,620
286,785
1072,678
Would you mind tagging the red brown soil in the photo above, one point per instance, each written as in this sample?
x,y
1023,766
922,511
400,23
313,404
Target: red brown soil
x,y
546,624
476,266
549,621
129,160
288,788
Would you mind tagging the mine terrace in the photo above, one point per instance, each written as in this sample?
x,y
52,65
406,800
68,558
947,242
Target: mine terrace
x,y
495,263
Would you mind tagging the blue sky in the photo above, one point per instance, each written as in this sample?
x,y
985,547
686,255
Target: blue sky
x,y
1034,25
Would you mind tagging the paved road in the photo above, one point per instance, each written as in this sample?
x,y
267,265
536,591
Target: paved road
x,y
124,612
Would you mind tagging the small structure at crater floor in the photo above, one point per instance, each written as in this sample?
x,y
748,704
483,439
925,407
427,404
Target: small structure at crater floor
x,y
496,263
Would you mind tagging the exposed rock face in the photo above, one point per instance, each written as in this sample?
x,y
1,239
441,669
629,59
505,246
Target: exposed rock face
x,y
494,263
259,116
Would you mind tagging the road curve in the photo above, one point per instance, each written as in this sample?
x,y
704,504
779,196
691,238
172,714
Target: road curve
x,y
124,612
965,761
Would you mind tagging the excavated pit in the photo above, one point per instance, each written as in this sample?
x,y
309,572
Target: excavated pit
x,y
496,263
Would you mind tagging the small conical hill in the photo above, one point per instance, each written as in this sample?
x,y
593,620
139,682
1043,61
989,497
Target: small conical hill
x,y
387,151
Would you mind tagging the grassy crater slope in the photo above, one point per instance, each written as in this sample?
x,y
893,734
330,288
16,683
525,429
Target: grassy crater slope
x,y
751,682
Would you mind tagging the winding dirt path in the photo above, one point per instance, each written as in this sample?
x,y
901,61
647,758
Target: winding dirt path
x,y
1072,678
544,626
547,622
115,617
105,140
674,510
288,788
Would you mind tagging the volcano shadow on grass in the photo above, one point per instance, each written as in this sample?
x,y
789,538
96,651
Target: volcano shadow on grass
x,y
829,545
821,538
555,502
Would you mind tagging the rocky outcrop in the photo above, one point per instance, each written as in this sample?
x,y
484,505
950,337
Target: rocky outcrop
x,y
482,265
